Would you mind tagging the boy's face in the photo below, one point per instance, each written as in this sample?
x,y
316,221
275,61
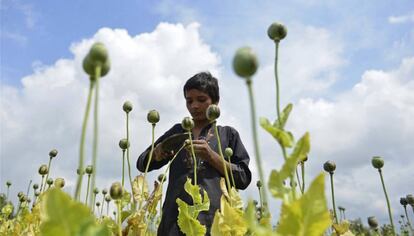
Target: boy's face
x,y
197,103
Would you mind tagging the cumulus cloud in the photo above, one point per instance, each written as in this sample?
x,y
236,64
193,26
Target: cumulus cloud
x,y
148,69
373,118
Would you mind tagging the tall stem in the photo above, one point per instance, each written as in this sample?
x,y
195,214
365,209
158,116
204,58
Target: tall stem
x,y
149,161
333,198
231,173
388,201
408,219
129,164
8,189
123,168
48,168
221,155
87,191
194,157
118,206
82,141
95,130
277,83
103,202
41,184
255,139
28,188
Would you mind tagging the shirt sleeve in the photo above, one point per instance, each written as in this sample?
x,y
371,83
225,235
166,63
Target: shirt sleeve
x,y
154,165
239,161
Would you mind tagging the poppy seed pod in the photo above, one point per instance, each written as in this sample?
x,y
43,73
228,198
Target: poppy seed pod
x,y
89,169
329,166
127,107
37,193
59,183
35,186
43,170
20,194
98,53
116,191
23,198
98,204
259,184
153,117
104,191
49,181
107,198
410,199
89,67
53,153
245,62
403,201
212,112
228,152
377,162
124,144
372,222
80,171
8,183
160,177
95,190
187,123
276,31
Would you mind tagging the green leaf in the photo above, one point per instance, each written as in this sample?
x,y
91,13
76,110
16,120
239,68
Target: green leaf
x,y
255,227
62,216
308,215
302,148
276,185
140,188
188,225
228,221
193,190
283,117
285,139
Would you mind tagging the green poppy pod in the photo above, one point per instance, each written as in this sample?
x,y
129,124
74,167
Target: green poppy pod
x,y
98,53
89,169
213,112
160,177
153,117
59,182
410,199
372,222
403,201
377,162
228,152
124,144
127,107
104,191
116,191
107,198
53,153
259,184
276,31
43,170
80,171
35,186
20,194
49,181
245,62
8,183
329,166
37,193
23,198
187,123
89,67
96,190
98,204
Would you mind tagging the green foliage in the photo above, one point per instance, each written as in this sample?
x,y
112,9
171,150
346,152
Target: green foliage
x,y
228,220
283,117
308,215
187,214
285,139
276,181
63,216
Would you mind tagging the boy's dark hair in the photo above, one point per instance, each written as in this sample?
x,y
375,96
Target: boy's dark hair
x,y
204,82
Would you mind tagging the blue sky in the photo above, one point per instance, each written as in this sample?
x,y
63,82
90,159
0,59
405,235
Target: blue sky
x,y
347,66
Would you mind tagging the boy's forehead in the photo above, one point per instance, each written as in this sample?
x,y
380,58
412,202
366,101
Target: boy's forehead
x,y
195,93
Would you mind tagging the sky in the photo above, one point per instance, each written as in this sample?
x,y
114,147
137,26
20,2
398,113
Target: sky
x,y
346,66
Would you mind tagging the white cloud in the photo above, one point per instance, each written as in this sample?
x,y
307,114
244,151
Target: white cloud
x,y
148,69
401,19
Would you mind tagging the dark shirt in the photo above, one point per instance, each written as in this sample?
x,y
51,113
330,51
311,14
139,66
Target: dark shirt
x,y
208,178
